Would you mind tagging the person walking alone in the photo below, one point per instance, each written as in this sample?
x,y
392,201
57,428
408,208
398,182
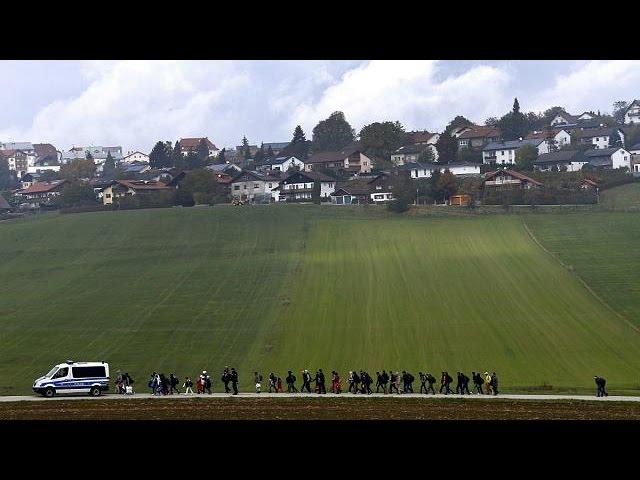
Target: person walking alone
x,y
600,384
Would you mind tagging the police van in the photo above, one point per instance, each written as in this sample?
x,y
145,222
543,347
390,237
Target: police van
x,y
74,377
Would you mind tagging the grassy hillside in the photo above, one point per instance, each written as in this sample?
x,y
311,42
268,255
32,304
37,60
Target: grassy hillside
x,y
622,197
296,286
602,248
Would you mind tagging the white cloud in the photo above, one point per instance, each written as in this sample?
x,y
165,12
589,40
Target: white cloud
x,y
592,85
409,91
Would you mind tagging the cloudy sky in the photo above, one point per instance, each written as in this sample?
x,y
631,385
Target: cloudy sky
x,y
136,103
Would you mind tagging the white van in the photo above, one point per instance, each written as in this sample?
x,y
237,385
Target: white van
x,y
74,377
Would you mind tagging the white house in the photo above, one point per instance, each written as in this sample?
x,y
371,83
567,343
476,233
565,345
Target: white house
x,y
564,118
599,137
632,114
411,153
505,152
562,160
135,157
609,158
425,170
299,186
552,139
255,187
282,164
191,144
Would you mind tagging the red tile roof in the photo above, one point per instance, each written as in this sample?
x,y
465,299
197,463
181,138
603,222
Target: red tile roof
x,y
187,143
43,187
477,131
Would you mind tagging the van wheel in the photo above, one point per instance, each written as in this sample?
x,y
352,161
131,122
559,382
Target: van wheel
x,y
49,392
95,391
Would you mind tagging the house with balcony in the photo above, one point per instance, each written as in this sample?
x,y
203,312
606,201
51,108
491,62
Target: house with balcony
x,y
299,187
350,159
506,178
126,188
364,190
505,152
41,193
478,136
419,170
599,137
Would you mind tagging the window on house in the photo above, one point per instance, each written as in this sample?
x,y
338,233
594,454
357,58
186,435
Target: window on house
x,y
256,185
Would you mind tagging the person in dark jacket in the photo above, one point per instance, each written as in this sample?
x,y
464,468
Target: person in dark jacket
x,y
356,382
458,382
378,381
431,379
173,384
233,376
385,381
306,381
226,377
465,384
291,382
407,382
600,384
320,386
366,383
423,382
446,381
478,382
494,383
392,382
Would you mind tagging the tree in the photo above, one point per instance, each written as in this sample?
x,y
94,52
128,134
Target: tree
x,y
6,178
315,193
48,176
246,149
514,124
619,109
160,156
525,156
426,156
491,121
458,122
199,186
109,167
382,139
75,194
403,192
260,155
469,155
203,151
270,153
332,133
447,147
615,140
446,185
78,168
221,158
299,146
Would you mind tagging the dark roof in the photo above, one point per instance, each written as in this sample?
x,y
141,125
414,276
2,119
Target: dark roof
x,y
357,186
512,173
275,145
142,184
328,157
601,152
560,156
476,131
413,165
635,147
419,137
512,144
263,177
567,116
4,205
595,132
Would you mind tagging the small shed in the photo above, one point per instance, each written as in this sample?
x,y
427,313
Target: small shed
x,y
460,200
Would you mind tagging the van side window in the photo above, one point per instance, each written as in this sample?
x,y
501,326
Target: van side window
x,y
88,372
61,373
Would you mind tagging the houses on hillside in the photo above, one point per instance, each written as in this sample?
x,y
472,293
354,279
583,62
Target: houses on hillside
x,y
510,178
632,113
478,136
425,170
191,144
574,160
40,194
281,164
363,190
302,186
135,157
256,187
126,188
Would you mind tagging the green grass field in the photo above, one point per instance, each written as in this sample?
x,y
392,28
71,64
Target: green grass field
x,y
289,287
622,197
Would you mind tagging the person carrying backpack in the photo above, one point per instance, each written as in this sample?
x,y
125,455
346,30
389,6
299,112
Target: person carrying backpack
x,y
206,382
494,383
431,379
459,383
233,376
423,382
173,384
273,382
478,382
408,388
226,378
378,381
465,384
356,382
291,382
320,382
385,381
366,383
393,382
600,384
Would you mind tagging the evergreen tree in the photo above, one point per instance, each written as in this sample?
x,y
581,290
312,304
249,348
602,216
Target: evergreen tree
x,y
299,146
202,151
332,133
221,157
270,154
615,140
109,167
160,156
259,157
447,147
6,178
246,149
426,156
525,156
516,106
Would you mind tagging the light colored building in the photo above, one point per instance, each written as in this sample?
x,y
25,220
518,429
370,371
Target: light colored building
x,y
281,164
509,178
599,137
609,158
126,188
477,136
562,160
505,152
632,114
255,187
411,153
553,139
425,170
136,156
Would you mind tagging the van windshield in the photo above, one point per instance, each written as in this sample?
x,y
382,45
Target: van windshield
x,y
51,372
